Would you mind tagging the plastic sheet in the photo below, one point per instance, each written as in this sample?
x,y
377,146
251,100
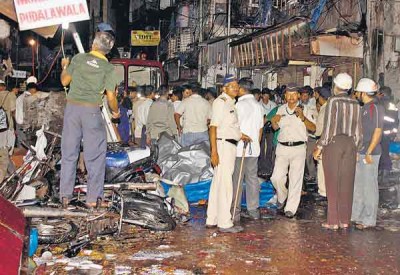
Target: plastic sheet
x,y
182,165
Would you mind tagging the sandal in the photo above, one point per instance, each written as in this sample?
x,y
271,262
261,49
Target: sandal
x,y
360,226
330,226
99,204
64,203
344,225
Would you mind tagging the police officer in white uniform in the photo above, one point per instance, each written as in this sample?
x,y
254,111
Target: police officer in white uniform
x,y
293,121
224,136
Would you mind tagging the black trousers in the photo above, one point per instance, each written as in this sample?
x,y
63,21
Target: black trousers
x,y
385,163
266,160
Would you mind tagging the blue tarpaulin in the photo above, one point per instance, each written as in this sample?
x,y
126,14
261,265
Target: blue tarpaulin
x,y
316,13
394,147
200,191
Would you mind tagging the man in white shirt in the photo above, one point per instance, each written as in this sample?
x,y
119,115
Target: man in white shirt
x,y
136,102
224,136
23,102
196,113
293,121
143,113
176,97
251,122
321,95
266,102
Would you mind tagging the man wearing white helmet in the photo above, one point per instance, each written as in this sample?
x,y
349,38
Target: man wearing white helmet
x,y
366,193
24,103
340,138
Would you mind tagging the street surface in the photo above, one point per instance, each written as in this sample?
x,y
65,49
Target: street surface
x,y
273,245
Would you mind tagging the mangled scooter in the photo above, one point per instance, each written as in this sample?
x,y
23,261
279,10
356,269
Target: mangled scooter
x,y
128,181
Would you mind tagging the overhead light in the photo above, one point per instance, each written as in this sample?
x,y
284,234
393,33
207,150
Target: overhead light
x,y
65,25
32,42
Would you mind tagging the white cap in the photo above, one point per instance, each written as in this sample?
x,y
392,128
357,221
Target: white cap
x,y
31,79
2,82
343,81
367,85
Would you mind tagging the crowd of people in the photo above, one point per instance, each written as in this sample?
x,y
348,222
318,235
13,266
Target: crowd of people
x,y
335,135
13,128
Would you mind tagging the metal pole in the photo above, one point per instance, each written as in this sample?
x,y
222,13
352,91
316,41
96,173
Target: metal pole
x,y
33,60
200,64
37,56
158,46
228,49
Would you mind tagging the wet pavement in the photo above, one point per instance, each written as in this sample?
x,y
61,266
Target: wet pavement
x,y
273,245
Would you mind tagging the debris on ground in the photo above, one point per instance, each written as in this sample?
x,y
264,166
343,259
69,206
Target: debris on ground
x,y
154,255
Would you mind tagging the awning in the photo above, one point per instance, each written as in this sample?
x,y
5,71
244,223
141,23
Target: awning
x,y
7,8
334,45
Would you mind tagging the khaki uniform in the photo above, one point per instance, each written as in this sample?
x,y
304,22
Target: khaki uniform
x,y
7,138
136,130
9,105
161,119
195,111
224,118
292,129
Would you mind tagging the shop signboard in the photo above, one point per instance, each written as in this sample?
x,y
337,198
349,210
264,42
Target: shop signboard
x,y
145,38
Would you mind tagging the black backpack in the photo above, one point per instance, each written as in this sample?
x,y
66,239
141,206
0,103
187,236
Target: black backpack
x,y
3,117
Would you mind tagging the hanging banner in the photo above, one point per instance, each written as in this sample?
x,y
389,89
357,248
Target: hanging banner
x,y
34,14
145,38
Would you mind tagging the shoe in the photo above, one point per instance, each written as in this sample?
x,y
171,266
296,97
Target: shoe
x,y
363,227
320,198
344,225
98,204
252,215
233,229
279,205
330,226
266,176
289,214
236,219
211,226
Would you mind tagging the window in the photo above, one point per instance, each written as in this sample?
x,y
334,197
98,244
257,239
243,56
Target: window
x,y
144,76
119,71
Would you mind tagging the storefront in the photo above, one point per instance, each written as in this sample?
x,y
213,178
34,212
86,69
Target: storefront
x,y
290,53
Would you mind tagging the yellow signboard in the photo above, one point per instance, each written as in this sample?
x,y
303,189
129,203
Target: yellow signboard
x,y
145,38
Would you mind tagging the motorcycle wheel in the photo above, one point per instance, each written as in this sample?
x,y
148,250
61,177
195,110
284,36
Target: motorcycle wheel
x,y
148,218
8,188
55,231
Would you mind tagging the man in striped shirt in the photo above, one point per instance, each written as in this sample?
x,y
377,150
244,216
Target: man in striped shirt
x,y
341,137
